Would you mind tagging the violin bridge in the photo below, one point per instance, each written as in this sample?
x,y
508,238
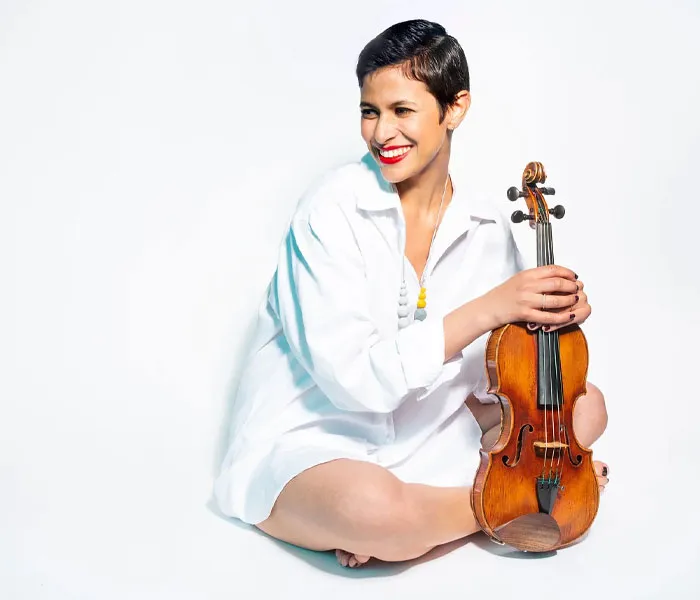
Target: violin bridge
x,y
550,449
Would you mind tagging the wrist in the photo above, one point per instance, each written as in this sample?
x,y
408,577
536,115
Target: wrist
x,y
487,319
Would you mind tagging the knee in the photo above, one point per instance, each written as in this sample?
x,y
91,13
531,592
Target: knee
x,y
385,521
593,409
380,517
374,506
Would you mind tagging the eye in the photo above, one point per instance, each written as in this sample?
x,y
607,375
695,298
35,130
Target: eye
x,y
402,110
368,113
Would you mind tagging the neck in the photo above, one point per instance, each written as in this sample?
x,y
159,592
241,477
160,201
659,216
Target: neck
x,y
421,194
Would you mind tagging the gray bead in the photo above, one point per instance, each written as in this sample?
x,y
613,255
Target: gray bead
x,y
420,314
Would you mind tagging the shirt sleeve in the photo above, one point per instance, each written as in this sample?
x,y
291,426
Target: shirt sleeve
x,y
522,247
322,299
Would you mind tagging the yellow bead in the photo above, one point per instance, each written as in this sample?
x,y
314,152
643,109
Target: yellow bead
x,y
422,294
420,303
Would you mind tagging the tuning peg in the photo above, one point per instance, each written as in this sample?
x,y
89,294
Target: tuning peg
x,y
514,193
547,191
519,216
558,211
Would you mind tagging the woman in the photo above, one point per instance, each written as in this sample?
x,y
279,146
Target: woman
x,y
351,430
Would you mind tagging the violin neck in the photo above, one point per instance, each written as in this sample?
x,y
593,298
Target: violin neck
x,y
545,248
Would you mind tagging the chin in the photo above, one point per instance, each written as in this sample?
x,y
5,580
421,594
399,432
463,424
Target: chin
x,y
393,178
397,173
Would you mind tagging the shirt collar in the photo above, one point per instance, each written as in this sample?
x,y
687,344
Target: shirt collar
x,y
379,194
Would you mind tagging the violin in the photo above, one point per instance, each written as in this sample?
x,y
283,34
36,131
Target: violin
x,y
535,488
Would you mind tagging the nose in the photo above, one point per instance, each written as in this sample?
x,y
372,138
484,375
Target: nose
x,y
384,130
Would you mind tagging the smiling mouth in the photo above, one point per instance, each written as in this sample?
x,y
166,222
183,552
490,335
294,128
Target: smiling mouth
x,y
392,154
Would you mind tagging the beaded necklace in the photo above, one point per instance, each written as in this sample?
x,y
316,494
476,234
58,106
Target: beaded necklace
x,y
420,312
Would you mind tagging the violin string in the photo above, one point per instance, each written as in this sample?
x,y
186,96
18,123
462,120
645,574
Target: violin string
x,y
558,379
554,358
548,345
541,351
552,381
549,354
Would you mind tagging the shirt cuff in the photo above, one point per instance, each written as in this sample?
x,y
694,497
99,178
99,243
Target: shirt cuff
x,y
421,347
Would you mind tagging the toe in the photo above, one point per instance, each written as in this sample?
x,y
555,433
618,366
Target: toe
x,y
348,559
343,557
601,471
601,468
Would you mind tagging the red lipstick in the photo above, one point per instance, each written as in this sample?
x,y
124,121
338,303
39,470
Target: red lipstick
x,y
394,159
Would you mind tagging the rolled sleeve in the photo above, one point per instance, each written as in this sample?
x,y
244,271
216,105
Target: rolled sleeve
x,y
422,350
322,299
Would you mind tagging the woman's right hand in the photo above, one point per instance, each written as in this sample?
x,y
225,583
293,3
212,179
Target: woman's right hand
x,y
529,295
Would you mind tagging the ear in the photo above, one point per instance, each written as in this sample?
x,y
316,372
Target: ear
x,y
456,112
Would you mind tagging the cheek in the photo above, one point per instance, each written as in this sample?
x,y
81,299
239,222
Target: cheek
x,y
424,133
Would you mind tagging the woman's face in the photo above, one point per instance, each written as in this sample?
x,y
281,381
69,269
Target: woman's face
x,y
400,123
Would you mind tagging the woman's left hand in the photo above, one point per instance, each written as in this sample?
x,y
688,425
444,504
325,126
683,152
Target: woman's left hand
x,y
582,310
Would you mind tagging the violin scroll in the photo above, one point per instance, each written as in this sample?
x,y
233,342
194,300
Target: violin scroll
x,y
533,174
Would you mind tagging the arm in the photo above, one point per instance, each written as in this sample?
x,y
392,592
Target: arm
x,y
322,301
465,324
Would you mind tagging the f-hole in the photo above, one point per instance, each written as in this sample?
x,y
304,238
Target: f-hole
x,y
579,458
519,447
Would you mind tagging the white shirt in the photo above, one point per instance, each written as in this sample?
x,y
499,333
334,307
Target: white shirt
x,y
329,365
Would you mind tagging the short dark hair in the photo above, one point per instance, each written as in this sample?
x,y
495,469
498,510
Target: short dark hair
x,y
426,53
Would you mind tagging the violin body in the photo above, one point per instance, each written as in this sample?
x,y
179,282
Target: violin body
x,y
535,488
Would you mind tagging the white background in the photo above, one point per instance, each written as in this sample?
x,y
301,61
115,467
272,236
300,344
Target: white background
x,y
151,153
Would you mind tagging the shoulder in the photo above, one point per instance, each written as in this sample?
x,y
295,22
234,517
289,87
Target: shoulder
x,y
325,219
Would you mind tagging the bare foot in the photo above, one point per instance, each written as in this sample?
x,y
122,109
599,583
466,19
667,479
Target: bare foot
x,y
348,559
601,470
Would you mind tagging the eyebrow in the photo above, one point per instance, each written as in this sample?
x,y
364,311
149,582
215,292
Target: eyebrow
x,y
392,105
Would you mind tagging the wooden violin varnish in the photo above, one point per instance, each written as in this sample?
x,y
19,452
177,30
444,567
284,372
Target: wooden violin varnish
x,y
535,488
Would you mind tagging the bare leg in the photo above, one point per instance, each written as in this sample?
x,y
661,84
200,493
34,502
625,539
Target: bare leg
x,y
378,515
590,416
590,421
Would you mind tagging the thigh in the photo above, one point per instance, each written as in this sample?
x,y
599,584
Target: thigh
x,y
327,505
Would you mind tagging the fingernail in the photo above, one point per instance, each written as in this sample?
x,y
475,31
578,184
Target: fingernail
x,y
532,325
575,276
572,316
545,328
576,298
605,471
